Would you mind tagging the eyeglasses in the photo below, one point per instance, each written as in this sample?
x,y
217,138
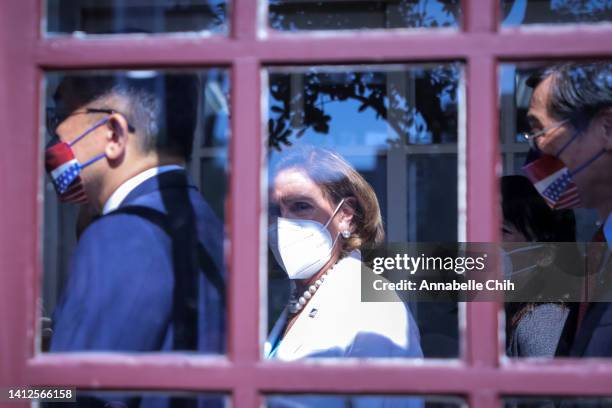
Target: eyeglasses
x,y
56,117
531,137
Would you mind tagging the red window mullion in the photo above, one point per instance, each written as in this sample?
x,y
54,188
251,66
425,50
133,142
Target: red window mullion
x,y
21,52
19,165
480,16
481,337
245,216
482,197
244,17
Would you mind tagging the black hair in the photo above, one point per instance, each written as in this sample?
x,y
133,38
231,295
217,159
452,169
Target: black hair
x,y
579,91
162,107
523,207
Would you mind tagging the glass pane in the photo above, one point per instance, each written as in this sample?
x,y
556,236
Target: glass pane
x,y
545,402
134,212
332,401
136,16
378,143
536,212
518,12
134,399
298,15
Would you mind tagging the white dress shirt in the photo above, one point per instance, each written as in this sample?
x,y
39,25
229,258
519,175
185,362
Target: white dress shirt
x,y
126,188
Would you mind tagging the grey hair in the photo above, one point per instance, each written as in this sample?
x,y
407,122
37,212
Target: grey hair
x,y
579,91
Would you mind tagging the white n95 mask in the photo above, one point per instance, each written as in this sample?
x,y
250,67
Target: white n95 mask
x,y
302,247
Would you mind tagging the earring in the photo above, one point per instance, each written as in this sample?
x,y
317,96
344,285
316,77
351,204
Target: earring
x,y
346,233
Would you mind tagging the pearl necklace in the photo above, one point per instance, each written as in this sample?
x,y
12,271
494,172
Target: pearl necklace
x,y
297,305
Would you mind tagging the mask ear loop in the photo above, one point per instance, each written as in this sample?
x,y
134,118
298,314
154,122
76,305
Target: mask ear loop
x,y
334,213
331,218
587,163
88,131
566,145
526,248
583,165
92,161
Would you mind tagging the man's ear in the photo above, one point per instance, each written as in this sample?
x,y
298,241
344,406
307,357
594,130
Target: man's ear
x,y
117,128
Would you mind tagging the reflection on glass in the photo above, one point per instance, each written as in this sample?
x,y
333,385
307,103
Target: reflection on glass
x,y
534,328
518,12
135,399
545,402
297,15
332,401
529,104
122,157
514,98
136,16
395,105
358,155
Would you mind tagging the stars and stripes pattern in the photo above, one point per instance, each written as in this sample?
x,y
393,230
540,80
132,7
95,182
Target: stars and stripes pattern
x,y
64,175
562,192
64,170
554,182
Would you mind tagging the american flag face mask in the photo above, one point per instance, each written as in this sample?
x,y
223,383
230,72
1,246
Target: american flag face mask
x,y
553,180
64,169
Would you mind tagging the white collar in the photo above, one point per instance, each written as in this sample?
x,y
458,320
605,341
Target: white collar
x,y
126,188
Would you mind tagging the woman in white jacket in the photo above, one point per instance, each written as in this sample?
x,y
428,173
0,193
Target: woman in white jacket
x,y
322,212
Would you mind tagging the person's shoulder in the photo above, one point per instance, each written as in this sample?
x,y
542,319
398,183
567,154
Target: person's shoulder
x,y
119,232
542,316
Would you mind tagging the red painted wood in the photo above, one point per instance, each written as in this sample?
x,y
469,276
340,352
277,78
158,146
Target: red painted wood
x,y
565,378
480,15
345,48
244,21
20,165
245,211
480,376
482,347
484,398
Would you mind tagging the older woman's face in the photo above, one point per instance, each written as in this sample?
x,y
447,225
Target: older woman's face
x,y
295,195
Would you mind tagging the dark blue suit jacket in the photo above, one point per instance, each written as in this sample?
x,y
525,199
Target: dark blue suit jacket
x,y
147,277
594,337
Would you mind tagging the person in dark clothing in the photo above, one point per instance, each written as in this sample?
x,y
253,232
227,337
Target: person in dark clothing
x,y
147,274
533,329
570,164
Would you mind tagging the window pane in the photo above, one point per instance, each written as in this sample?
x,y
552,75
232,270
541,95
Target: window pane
x,y
383,140
518,12
297,15
536,213
136,16
332,401
140,266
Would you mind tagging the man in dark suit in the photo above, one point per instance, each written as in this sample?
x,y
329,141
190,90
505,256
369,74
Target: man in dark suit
x,y
571,117
148,273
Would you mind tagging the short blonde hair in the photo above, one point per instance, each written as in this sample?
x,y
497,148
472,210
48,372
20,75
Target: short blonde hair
x,y
338,179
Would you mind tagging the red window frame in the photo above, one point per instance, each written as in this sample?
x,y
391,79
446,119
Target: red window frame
x,y
481,376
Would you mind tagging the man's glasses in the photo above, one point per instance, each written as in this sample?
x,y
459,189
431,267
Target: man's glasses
x,y
55,117
531,137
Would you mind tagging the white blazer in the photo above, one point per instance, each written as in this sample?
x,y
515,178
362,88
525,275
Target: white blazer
x,y
336,323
